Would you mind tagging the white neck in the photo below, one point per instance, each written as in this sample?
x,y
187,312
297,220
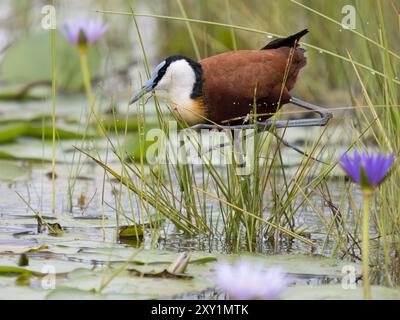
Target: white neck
x,y
179,81
182,81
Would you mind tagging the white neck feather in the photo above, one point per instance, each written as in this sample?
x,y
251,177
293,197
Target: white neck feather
x,y
179,81
182,79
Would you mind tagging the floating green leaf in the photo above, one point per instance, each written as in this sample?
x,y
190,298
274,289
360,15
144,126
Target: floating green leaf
x,y
131,232
16,249
13,171
337,292
27,60
15,271
11,131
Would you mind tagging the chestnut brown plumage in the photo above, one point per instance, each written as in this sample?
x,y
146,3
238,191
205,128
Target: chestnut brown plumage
x,y
227,88
234,81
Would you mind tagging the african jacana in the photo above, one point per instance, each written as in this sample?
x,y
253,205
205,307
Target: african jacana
x,y
222,90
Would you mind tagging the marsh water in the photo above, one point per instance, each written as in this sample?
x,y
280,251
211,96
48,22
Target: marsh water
x,y
89,260
90,214
89,221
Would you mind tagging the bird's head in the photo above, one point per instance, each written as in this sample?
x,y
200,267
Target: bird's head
x,y
175,72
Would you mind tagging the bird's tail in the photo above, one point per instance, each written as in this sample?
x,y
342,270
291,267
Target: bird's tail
x,y
290,41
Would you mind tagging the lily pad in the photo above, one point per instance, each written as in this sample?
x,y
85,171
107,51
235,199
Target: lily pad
x,y
27,60
76,294
37,150
24,293
13,171
300,263
14,249
149,278
131,232
30,91
11,131
337,292
13,271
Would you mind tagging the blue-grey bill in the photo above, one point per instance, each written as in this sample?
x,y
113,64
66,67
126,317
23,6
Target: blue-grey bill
x,y
146,88
138,95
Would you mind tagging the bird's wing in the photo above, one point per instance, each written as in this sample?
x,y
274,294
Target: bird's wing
x,y
232,81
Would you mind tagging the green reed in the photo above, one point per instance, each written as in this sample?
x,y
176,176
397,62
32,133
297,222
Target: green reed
x,y
53,116
358,66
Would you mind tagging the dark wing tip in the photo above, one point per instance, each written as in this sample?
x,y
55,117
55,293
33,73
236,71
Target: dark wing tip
x,y
301,34
290,41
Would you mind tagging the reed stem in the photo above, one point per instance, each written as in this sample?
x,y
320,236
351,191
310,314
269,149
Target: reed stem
x,y
86,80
53,118
367,195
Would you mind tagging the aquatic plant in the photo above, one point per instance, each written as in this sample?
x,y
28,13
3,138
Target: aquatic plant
x,y
83,32
246,281
286,194
368,171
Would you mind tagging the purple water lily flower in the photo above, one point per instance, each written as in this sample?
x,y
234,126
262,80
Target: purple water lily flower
x,y
83,31
245,281
375,167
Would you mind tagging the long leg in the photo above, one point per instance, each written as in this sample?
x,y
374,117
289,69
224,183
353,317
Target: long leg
x,y
324,113
325,116
283,141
